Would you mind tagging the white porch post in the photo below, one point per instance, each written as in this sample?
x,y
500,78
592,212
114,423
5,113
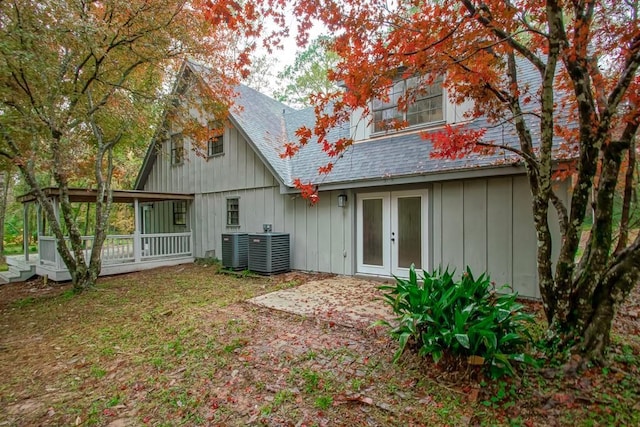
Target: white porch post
x,y
25,231
39,225
56,209
137,243
56,212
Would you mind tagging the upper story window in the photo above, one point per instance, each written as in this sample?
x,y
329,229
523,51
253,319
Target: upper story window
x,y
215,144
426,107
177,149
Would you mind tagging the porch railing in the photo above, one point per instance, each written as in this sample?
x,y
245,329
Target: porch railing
x,y
47,250
165,244
116,249
123,248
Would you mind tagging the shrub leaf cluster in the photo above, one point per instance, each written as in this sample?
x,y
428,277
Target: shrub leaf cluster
x,y
462,318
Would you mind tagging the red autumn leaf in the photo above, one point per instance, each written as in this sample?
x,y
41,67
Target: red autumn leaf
x,y
325,169
455,142
554,85
307,191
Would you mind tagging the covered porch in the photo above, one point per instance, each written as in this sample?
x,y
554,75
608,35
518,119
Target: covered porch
x,y
121,253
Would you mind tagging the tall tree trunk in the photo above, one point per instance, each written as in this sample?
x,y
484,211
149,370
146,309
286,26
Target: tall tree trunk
x,y
73,257
593,327
625,215
604,278
85,276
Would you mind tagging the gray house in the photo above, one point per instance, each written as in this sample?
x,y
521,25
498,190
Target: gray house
x,y
385,205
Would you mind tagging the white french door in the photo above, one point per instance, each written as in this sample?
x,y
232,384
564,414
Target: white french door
x,y
392,232
373,233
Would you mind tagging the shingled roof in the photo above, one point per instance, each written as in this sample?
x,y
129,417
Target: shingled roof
x,y
267,124
390,158
386,158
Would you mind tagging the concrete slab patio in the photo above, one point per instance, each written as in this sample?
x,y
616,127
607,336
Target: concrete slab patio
x,y
342,300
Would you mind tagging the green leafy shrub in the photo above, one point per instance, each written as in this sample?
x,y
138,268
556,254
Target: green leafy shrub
x,y
462,318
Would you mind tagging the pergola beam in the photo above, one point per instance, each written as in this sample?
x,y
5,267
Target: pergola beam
x,y
85,195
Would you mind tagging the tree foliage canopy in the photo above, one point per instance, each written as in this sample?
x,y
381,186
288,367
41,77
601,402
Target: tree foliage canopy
x,y
80,82
581,108
308,75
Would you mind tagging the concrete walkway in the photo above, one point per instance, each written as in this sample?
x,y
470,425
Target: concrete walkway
x,y
341,299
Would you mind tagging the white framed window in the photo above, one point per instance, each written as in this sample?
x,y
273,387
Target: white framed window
x,y
215,144
426,108
233,211
177,149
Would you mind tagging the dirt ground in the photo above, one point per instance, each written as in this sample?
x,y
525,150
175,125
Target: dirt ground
x,y
341,300
212,362
187,346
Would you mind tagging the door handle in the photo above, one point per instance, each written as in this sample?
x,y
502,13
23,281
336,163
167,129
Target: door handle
x,y
393,236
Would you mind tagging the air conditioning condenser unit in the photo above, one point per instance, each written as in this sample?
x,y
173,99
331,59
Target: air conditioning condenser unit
x,y
269,253
235,250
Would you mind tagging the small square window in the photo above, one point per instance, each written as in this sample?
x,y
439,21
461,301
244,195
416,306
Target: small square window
x,y
233,211
177,149
180,213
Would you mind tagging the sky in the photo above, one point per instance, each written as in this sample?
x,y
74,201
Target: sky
x,y
285,56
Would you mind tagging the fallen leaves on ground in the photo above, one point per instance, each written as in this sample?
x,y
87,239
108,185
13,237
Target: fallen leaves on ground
x,y
168,348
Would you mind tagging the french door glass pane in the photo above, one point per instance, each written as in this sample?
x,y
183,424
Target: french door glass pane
x,y
409,232
372,231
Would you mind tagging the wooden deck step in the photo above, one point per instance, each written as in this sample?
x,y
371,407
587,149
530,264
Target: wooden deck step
x,y
19,269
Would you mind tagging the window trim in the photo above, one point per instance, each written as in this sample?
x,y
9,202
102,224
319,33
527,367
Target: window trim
x,y
177,160
180,212
230,212
385,106
215,140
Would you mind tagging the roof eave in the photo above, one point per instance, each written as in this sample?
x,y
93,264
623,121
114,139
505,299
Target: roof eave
x,y
425,177
151,154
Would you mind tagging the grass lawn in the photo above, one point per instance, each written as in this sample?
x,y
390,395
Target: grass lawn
x,y
12,249
178,346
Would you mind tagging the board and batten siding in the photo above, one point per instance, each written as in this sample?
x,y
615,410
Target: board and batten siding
x,y
487,224
237,168
321,235
157,217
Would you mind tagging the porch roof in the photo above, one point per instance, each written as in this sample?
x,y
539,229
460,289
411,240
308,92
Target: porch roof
x,y
119,196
